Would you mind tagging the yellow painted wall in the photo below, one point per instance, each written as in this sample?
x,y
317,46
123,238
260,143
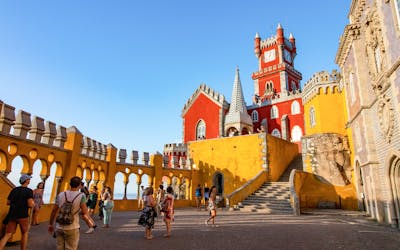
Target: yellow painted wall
x,y
280,154
330,113
240,159
311,191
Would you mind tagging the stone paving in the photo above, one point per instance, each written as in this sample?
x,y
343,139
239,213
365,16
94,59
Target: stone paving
x,y
318,229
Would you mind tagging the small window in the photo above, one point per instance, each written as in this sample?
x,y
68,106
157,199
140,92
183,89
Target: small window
x,y
294,86
201,130
397,9
276,133
312,117
254,116
274,112
295,108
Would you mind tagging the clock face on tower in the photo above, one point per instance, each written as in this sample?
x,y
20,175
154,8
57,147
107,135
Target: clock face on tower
x,y
269,55
287,56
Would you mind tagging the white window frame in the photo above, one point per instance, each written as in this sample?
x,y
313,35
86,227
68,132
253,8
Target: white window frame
x,y
254,116
276,133
200,130
295,108
296,133
312,117
274,112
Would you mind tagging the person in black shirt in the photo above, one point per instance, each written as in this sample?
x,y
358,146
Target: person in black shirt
x,y
20,200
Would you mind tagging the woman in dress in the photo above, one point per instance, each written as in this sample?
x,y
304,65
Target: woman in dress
x,y
107,207
38,198
148,214
168,209
212,206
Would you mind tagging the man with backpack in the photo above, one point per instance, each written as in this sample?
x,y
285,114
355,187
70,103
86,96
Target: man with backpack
x,y
66,215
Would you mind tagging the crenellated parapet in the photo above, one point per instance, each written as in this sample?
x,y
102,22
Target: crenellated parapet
x,y
93,149
209,92
33,129
322,83
175,147
276,98
268,42
275,68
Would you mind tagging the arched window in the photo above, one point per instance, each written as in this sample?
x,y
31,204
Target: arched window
x,y
269,87
312,117
274,112
295,108
201,130
296,134
276,133
254,116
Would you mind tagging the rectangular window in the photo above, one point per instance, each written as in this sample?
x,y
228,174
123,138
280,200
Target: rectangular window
x,y
397,5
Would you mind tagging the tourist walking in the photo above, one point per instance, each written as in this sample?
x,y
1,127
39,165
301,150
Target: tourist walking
x,y
65,215
20,200
206,197
148,214
168,209
107,207
198,195
86,217
101,202
38,199
212,206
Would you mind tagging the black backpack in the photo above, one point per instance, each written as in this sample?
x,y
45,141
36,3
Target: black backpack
x,y
66,215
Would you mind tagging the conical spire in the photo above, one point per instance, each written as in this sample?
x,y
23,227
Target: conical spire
x,y
237,115
238,104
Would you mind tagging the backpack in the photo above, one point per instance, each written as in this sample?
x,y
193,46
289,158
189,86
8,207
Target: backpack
x,y
66,215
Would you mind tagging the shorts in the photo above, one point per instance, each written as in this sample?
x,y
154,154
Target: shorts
x,y
23,224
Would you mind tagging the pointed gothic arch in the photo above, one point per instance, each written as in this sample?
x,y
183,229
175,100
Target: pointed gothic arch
x,y
200,130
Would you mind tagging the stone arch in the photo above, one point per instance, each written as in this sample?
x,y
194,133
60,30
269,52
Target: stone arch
x,y
79,172
392,169
232,131
37,173
132,187
200,130
51,184
119,186
17,168
218,182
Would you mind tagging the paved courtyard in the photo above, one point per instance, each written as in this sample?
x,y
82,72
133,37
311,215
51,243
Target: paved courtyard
x,y
236,230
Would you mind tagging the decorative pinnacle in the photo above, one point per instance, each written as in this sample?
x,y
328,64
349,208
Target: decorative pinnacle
x,y
291,36
279,26
257,35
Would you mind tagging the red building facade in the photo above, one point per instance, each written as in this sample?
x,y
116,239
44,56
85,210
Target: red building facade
x,y
277,105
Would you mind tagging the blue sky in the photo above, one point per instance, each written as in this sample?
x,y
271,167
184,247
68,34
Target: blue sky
x,y
121,71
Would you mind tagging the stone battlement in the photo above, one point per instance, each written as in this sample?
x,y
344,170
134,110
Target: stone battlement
x,y
321,82
175,147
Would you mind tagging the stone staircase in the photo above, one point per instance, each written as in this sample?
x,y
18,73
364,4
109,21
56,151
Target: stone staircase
x,y
272,197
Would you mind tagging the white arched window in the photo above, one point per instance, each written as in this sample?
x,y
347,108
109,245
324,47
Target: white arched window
x,y
295,108
296,134
254,116
274,112
201,130
276,133
312,117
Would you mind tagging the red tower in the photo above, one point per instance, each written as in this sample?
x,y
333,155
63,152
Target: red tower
x,y
277,106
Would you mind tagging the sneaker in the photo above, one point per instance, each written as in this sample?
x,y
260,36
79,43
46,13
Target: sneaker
x,y
90,231
206,222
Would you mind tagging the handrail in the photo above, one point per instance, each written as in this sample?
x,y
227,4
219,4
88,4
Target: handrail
x,y
247,189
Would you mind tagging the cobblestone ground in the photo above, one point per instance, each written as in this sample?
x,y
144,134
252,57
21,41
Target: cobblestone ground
x,y
236,230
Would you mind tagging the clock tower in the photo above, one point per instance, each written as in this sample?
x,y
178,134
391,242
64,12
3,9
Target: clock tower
x,y
276,75
277,105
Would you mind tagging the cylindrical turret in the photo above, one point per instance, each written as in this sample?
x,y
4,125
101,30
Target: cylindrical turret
x,y
279,34
293,42
257,49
